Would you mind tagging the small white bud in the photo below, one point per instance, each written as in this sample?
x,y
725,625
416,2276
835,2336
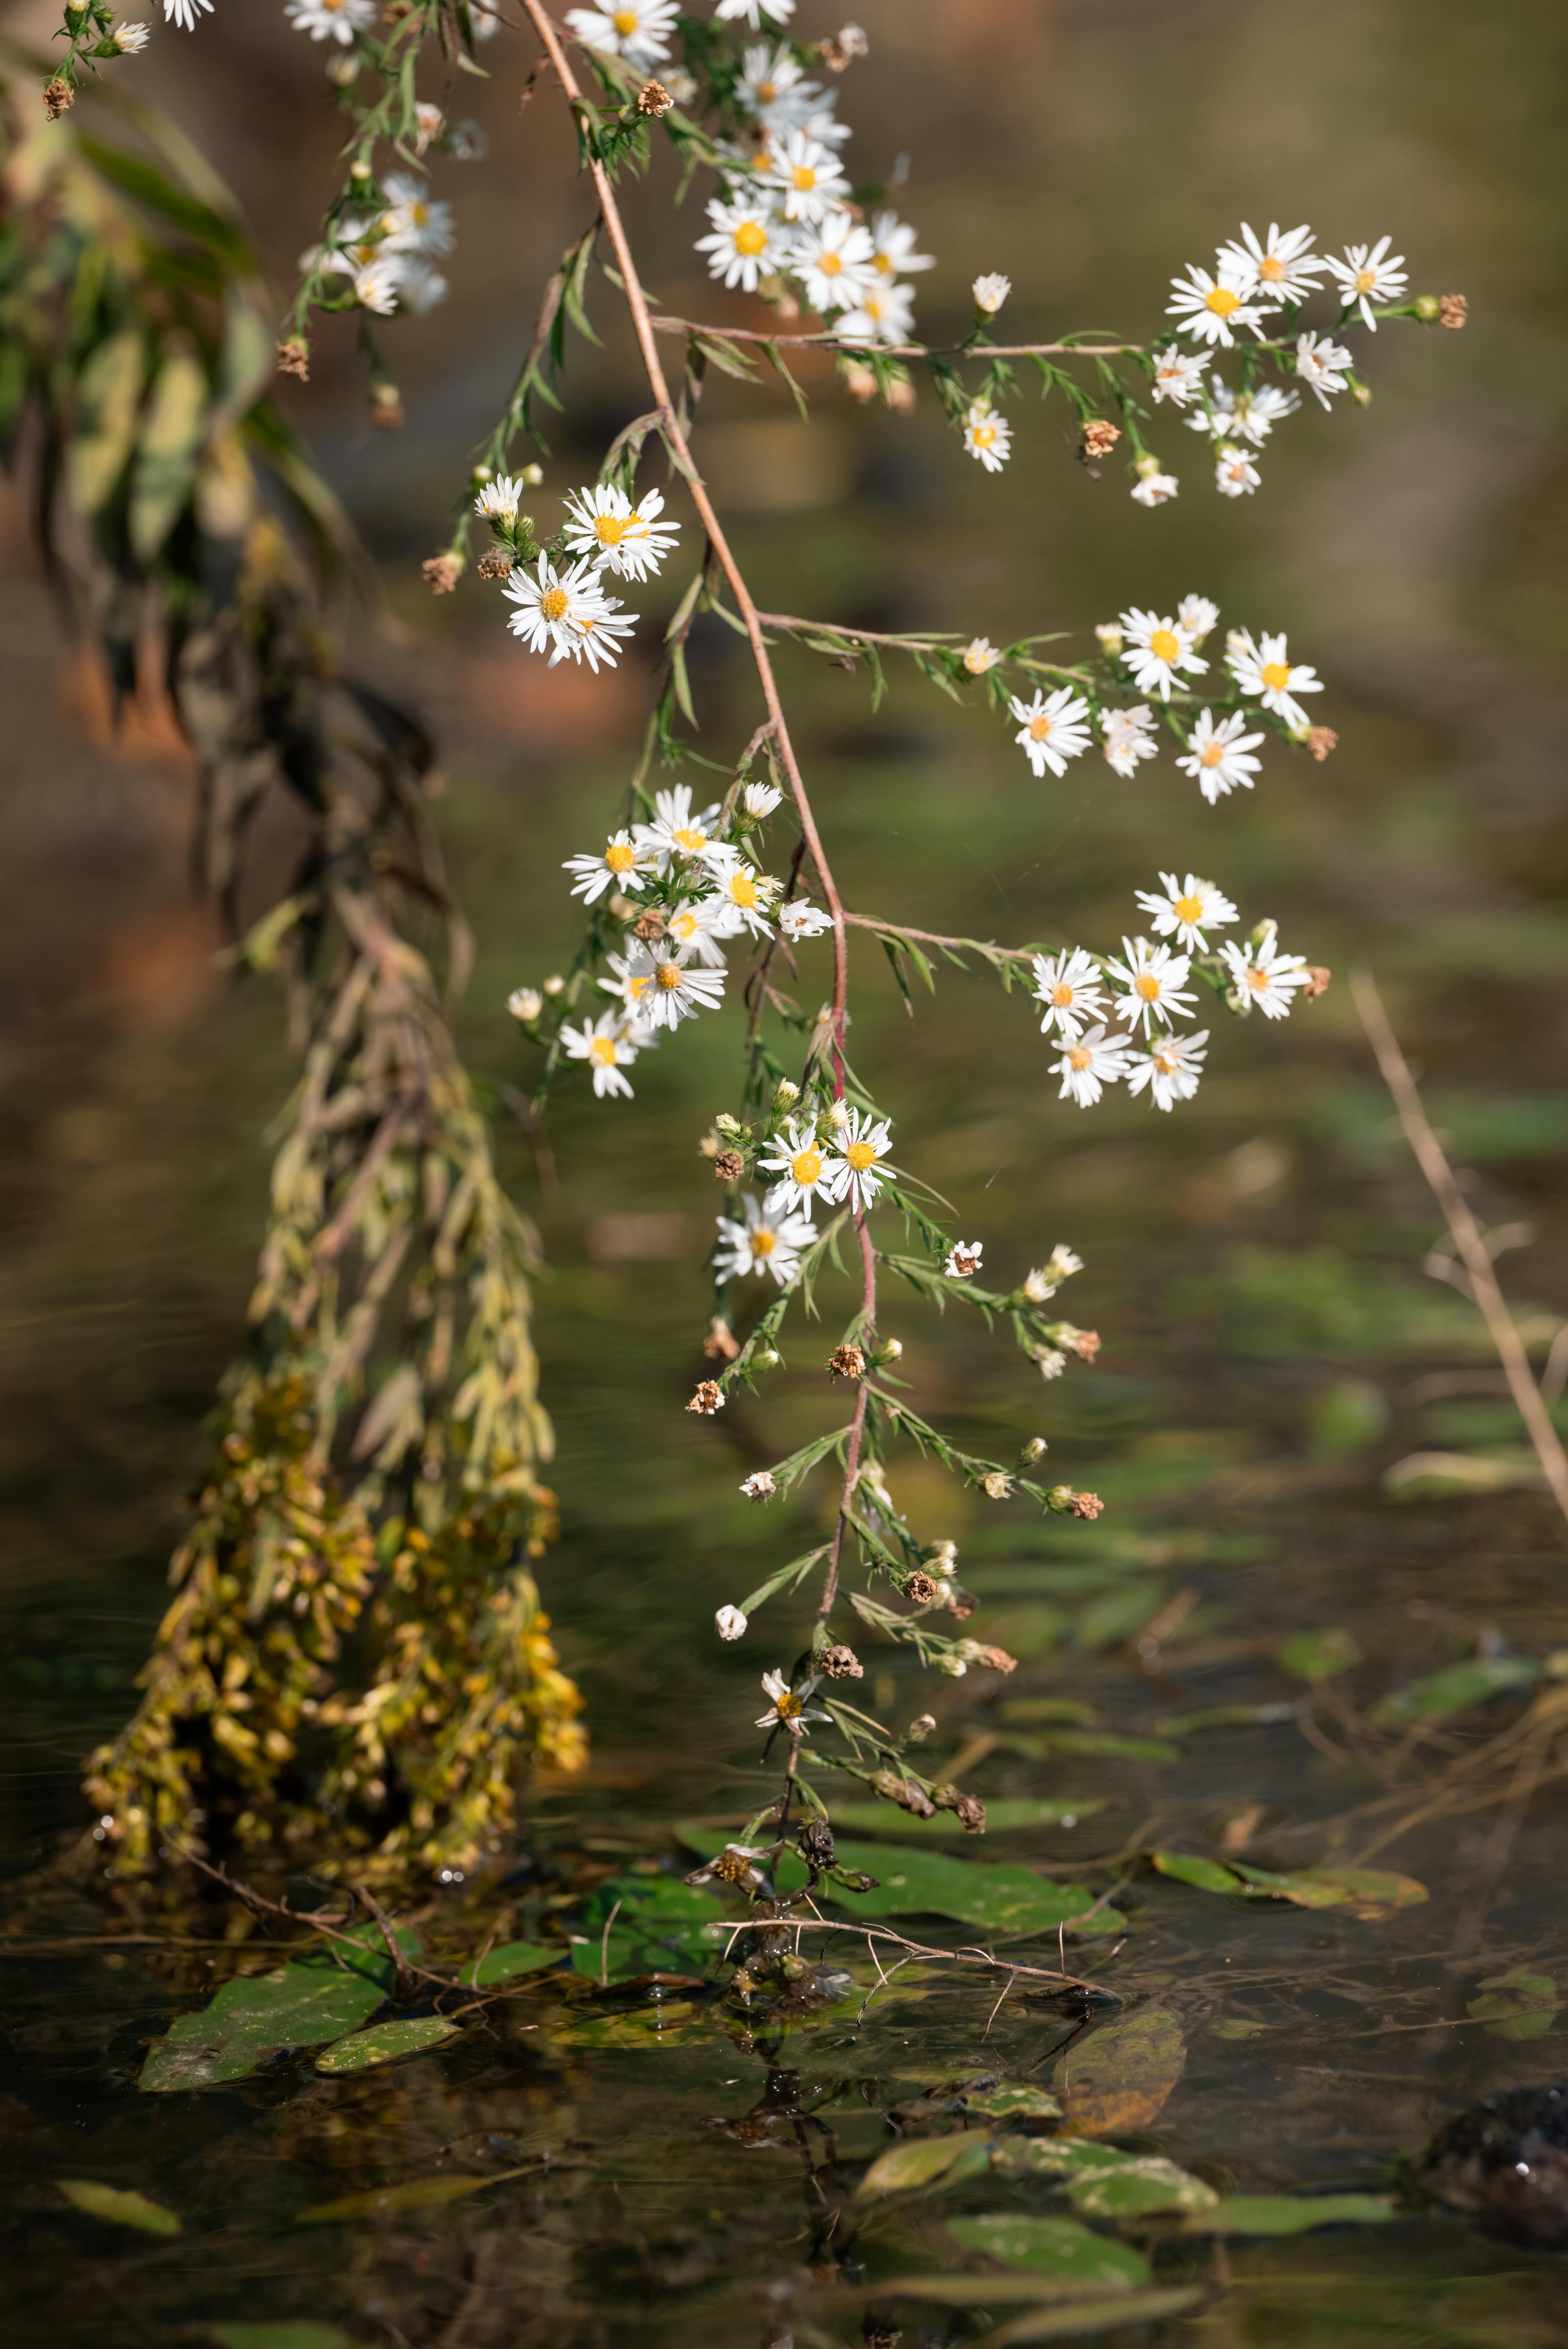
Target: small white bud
x,y
991,292
758,1487
532,476
1111,638
525,1003
730,1623
785,1094
555,985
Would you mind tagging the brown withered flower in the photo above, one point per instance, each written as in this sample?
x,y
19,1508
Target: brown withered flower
x,y
997,1659
443,572
653,100
1453,309
1321,741
1319,978
293,357
1087,1506
841,1663
496,564
59,97
847,1362
386,407
709,1397
729,1165
815,1844
921,1590
721,1344
649,925
1099,437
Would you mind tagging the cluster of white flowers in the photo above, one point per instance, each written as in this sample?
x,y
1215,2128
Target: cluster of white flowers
x,y
836,1156
390,254
562,606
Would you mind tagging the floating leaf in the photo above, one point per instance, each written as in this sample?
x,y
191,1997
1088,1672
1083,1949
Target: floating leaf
x,y
1049,1708
1208,1875
921,2160
305,2003
1236,2026
1225,1716
1001,1816
121,2204
1101,2315
417,2194
1287,2214
1104,2181
1122,2077
386,2042
1460,1476
1516,2005
510,1960
304,2335
1092,1743
1300,1887
1057,2249
1318,1655
1009,2099
1366,1891
1454,1690
660,1926
1000,1897
643,2028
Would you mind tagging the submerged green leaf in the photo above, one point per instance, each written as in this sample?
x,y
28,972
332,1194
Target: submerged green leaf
x,y
921,2160
660,1926
1104,2181
1101,2315
1119,2078
1009,2100
384,2043
1288,2214
417,2194
1208,1875
1454,1690
1516,2005
1318,1655
1057,2249
120,2204
305,2003
510,1960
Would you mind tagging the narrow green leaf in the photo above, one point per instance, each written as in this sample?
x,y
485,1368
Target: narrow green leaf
x,y
1454,1690
1187,1868
1287,2214
119,2204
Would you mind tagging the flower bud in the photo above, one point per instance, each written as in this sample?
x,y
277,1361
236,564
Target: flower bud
x,y
1427,308
532,476
525,1004
1036,1449
890,1350
731,1127
766,1359
785,1094
730,1623
920,1729
554,984
1111,638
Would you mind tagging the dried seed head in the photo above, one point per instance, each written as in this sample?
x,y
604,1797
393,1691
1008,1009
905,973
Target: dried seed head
x,y
838,50
841,1663
649,925
759,1486
1453,309
920,1729
916,1801
59,97
878,2331
721,1344
997,1659
970,1813
921,1590
847,1362
963,1260
709,1397
1087,1504
1099,437
962,1604
293,357
815,1844
729,1165
998,1485
1318,979
443,572
496,564
1320,740
1085,1344
653,100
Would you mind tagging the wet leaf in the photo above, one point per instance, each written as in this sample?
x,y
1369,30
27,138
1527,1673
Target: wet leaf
x,y
1009,2099
1236,2026
384,2043
509,1961
1454,1690
660,1926
120,2204
1121,2076
1104,2181
1093,1743
1346,1417
1049,1708
1288,2214
1225,1716
999,1898
304,2335
305,2003
921,2160
1092,2316
644,2028
1001,1816
1318,1655
417,2194
1367,1891
1187,1868
1516,2005
1059,2250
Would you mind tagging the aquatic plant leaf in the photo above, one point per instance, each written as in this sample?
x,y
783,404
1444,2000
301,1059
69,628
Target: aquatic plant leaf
x,y
1059,2249
1208,1875
305,2003
1049,1708
384,2043
1345,1417
1318,1655
1104,2181
302,2336
1367,1891
1236,2026
1099,1744
1102,2315
414,2194
1298,1886
1454,1690
1002,1815
1516,2005
1119,2078
1118,1613
1225,1716
1009,2099
647,2026
1002,1899
660,1926
511,1959
120,2204
1288,2214
921,2160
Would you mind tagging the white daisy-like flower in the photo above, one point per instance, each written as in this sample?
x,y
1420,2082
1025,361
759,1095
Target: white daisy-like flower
x,y
1264,979
787,1706
1090,1063
853,1172
1063,1262
1266,668
1159,652
1171,1068
485,21
1219,756
800,1164
962,1261
608,1045
700,923
754,11
420,285
567,614
832,260
768,1240
824,125
744,897
979,654
664,988
1244,415
729,1622
1154,977
501,500
760,800
747,242
808,175
377,286
129,39
679,830
1155,488
892,247
773,87
336,20
1177,374
1282,265
1368,274
1196,616
1130,735
183,13
988,437
614,868
1210,308
991,292
628,539
1185,910
884,314
412,222
1051,730
1321,363
1235,475
1070,986
759,1486
525,1004
799,919
639,32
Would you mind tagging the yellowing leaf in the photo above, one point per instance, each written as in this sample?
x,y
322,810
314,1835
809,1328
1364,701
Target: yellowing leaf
x,y
121,2205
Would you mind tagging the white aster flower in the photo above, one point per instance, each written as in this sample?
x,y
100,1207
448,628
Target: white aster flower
x,y
832,260
1321,363
754,11
615,867
1368,274
131,39
884,314
420,285
412,223
1171,1069
1235,475
744,897
1266,669
799,1164
664,988
1154,977
525,1004
183,13
759,1486
1185,910
962,1261
1051,730
566,613
1090,1062
729,1622
767,73
747,242
1050,1360
1219,756
1130,735
622,537
337,20
853,1174
988,437
1264,979
787,1708
639,31
377,286
823,124
1063,1262
1195,614
979,654
499,500
1071,988
892,247
760,800
1282,265
608,1045
991,292
1208,308
1244,415
679,830
1177,374
799,919
808,175
769,1240
1159,652
700,923
1153,488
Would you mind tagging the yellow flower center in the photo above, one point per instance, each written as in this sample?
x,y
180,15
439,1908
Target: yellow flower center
x,y
1211,754
1271,267
767,91
884,264
684,926
1257,980
860,1155
1039,727
789,1707
1164,1061
1062,994
1189,908
750,238
418,213
1148,986
637,986
620,856
625,20
669,976
764,1243
982,435
742,889
609,529
553,602
603,1049
688,839
829,264
1275,676
1080,1056
1222,301
803,179
1165,645
807,1167
1365,280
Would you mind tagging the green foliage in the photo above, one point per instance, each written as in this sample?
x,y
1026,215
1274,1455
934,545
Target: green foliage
x,y
655,1925
121,2206
1071,2255
305,2003
386,2043
1454,1690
